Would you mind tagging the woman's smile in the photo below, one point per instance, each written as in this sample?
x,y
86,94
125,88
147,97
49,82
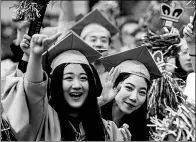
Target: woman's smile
x,y
130,105
76,95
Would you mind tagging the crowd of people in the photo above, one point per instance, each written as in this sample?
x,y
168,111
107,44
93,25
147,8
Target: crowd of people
x,y
47,92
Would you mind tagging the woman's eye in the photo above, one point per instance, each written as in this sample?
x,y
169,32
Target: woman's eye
x,y
185,51
142,93
129,88
68,78
84,79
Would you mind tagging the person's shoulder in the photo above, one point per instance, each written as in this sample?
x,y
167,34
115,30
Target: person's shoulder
x,y
191,75
7,67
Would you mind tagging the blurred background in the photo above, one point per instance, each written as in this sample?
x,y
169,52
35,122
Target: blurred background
x,y
74,9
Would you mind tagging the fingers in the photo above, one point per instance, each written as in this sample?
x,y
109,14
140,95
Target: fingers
x,y
25,43
111,71
47,42
190,26
108,77
27,37
115,74
38,39
191,19
53,38
188,30
125,131
126,128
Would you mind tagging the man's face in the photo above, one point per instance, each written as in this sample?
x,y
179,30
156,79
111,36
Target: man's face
x,y
99,40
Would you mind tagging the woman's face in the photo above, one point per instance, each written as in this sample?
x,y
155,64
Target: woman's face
x,y
132,94
75,85
184,58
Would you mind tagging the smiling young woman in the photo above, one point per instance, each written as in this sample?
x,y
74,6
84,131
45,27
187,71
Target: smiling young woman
x,y
129,104
72,113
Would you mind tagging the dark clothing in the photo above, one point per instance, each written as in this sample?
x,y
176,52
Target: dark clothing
x,y
22,66
136,121
17,52
179,72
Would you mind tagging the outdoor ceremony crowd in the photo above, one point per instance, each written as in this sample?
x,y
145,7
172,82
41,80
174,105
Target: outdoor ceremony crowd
x,y
90,78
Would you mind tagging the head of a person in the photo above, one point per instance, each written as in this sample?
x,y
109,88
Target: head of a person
x,y
73,90
137,69
128,31
134,84
96,30
72,72
184,58
96,36
75,84
110,9
73,87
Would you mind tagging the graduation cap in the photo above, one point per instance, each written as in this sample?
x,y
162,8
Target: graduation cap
x,y
93,21
137,61
71,49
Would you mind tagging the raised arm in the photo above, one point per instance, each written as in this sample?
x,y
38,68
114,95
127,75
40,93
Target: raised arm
x,y
39,44
109,93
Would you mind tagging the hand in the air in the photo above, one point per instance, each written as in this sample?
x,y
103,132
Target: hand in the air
x,y
25,44
40,43
188,32
108,92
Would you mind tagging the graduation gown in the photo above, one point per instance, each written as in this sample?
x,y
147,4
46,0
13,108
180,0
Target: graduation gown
x,y
25,107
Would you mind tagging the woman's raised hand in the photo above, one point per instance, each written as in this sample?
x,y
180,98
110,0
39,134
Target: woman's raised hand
x,y
40,43
188,32
108,92
25,44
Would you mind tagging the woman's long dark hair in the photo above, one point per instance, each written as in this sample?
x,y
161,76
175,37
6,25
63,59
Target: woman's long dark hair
x,y
89,112
180,72
99,87
136,120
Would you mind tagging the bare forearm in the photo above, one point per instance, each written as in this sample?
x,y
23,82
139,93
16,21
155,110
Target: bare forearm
x,y
100,101
34,69
20,34
25,57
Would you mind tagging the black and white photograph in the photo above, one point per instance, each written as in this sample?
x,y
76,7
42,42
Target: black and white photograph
x,y
98,70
